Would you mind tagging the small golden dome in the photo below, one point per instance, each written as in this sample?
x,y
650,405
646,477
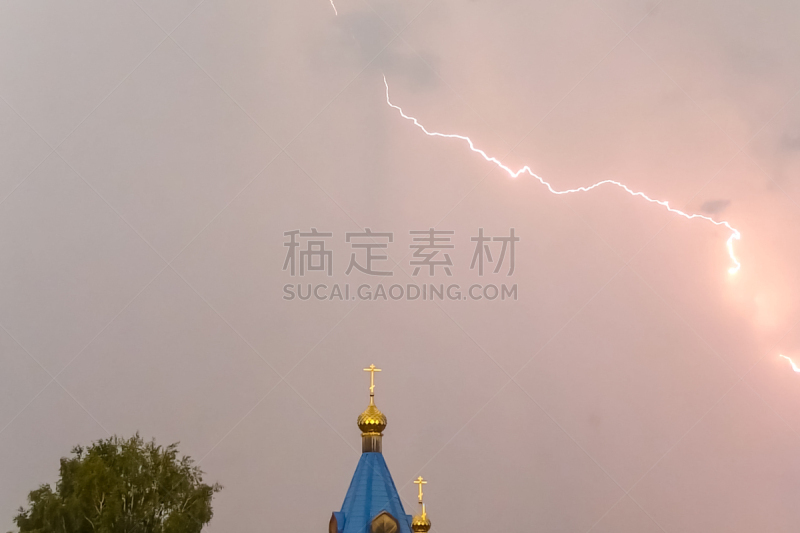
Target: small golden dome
x,y
372,421
420,523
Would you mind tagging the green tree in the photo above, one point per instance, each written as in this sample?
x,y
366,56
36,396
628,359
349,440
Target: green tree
x,y
121,486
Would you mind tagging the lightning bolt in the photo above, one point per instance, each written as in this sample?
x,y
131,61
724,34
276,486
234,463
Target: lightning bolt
x,y
334,8
794,366
735,235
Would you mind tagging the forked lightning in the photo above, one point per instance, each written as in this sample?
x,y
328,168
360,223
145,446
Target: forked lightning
x,y
735,235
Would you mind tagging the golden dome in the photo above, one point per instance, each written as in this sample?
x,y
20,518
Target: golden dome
x,y
372,421
420,523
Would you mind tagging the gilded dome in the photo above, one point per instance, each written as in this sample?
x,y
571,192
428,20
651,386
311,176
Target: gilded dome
x,y
420,523
372,420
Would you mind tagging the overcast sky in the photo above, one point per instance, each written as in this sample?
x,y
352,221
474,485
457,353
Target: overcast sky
x,y
154,152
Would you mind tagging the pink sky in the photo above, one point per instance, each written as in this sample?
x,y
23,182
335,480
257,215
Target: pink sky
x,y
153,153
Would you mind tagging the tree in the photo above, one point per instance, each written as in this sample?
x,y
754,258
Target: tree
x,y
121,486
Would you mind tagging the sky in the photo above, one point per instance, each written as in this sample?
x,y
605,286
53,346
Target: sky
x,y
155,156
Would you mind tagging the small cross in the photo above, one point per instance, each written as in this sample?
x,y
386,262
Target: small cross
x,y
419,481
372,371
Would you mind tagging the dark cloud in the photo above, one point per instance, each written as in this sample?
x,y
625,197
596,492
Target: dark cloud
x,y
790,140
374,41
713,207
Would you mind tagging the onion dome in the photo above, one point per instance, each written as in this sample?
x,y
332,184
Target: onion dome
x,y
371,421
420,523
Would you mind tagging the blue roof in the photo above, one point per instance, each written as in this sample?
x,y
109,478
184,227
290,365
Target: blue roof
x,y
371,492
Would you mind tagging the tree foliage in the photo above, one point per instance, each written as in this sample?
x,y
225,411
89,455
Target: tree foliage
x,y
121,486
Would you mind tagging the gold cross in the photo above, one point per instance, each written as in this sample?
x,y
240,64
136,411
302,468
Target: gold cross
x,y
372,371
419,481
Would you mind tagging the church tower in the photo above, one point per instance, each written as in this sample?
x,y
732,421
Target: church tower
x,y
372,504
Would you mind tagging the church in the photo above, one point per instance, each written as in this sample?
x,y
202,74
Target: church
x,y
372,504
